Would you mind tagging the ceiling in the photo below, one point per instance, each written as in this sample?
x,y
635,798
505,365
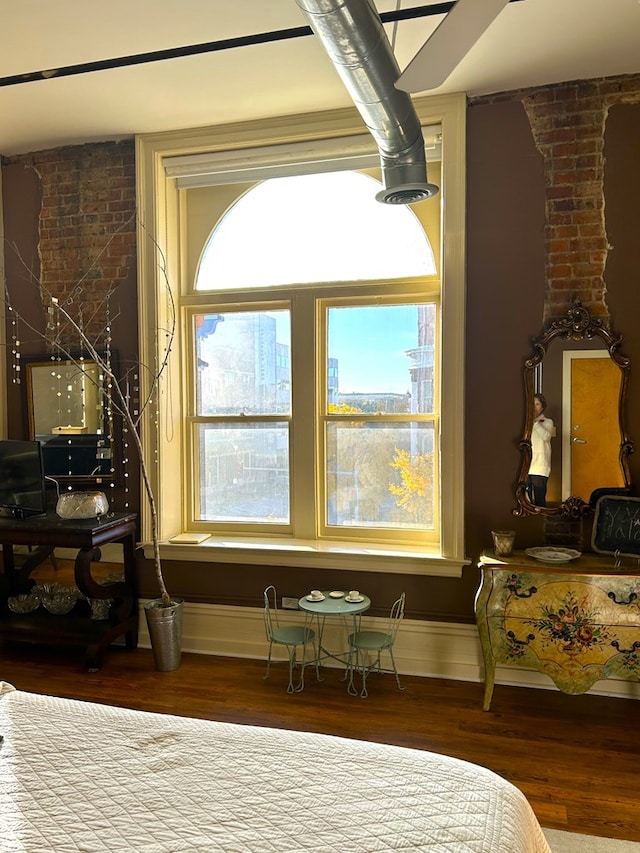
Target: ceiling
x,y
531,42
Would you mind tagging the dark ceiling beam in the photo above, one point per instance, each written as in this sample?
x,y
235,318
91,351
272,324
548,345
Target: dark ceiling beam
x,y
210,47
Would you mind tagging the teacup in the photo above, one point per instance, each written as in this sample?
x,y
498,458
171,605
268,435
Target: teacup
x,y
315,593
353,593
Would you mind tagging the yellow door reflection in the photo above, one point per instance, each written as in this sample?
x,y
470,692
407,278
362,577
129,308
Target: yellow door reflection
x,y
594,430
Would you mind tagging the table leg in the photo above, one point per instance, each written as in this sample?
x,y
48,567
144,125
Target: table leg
x,y
351,668
319,649
343,657
489,679
17,579
123,616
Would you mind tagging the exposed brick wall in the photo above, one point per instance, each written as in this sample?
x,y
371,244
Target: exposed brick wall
x,y
568,122
85,238
87,228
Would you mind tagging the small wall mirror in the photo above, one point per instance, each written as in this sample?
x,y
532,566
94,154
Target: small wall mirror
x,y
574,444
68,414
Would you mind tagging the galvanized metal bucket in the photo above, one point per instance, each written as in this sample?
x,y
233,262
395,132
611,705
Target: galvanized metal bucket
x,y
165,631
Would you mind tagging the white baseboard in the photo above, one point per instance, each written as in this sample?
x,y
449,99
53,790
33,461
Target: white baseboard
x,y
429,649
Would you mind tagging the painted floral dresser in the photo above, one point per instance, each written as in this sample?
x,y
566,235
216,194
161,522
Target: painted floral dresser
x,y
577,622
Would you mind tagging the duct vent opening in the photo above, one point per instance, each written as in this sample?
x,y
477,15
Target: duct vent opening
x,y
406,194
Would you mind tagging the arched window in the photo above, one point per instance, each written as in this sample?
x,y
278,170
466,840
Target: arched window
x,y
319,275
312,409
313,228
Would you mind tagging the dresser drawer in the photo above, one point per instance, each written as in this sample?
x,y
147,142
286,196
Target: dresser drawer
x,y
576,627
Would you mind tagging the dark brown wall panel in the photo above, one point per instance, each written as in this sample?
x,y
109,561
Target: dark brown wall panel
x,y
507,296
622,272
505,306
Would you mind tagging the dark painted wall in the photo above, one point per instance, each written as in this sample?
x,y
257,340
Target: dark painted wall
x,y
506,293
505,304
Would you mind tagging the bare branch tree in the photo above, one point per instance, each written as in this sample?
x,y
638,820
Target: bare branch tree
x,y
122,401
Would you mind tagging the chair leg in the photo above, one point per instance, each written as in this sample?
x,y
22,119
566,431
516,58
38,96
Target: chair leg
x,y
291,687
354,667
365,669
303,663
351,668
315,662
266,675
365,672
293,660
316,657
292,663
395,670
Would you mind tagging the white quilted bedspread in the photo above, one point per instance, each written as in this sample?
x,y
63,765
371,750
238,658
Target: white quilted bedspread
x,y
76,776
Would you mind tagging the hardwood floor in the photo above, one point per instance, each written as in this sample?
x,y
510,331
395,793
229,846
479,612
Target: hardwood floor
x,y
576,758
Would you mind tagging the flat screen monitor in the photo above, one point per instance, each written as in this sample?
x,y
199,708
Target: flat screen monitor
x,y
22,488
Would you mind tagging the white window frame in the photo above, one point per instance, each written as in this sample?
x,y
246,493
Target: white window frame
x,y
428,291
160,235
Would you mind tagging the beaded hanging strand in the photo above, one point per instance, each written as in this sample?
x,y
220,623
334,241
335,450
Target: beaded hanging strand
x,y
54,342
125,446
107,397
15,349
81,364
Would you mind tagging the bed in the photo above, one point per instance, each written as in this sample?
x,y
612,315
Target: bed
x,y
79,776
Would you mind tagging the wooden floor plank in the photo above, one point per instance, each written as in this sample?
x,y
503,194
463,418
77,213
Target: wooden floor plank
x,y
576,758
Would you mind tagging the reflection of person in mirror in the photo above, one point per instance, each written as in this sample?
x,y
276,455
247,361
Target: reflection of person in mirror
x,y
542,432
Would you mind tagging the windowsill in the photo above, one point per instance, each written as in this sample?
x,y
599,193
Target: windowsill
x,y
388,559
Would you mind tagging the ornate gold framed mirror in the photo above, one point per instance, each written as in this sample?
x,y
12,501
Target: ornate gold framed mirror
x,y
574,443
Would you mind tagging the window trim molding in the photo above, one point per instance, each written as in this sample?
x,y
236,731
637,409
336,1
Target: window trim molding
x,y
310,156
298,553
159,203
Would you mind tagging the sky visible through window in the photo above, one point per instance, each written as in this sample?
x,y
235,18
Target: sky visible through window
x,y
328,227
314,228
370,344
380,353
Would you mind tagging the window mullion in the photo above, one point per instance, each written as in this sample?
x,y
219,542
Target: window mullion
x,y
303,435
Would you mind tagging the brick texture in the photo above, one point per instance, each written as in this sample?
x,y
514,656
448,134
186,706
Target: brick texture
x,y
568,121
87,231
87,259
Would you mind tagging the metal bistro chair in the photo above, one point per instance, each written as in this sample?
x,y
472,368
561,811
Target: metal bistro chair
x,y
290,636
364,643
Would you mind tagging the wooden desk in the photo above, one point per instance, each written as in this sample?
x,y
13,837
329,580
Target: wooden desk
x,y
577,622
76,627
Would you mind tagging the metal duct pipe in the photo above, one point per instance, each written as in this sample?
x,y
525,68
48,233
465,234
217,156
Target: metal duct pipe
x,y
352,35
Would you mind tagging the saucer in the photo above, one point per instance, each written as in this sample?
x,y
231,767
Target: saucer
x,y
354,600
315,598
336,593
553,555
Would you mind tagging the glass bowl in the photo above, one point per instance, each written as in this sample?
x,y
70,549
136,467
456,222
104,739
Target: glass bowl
x,y
60,603
82,505
56,597
25,603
